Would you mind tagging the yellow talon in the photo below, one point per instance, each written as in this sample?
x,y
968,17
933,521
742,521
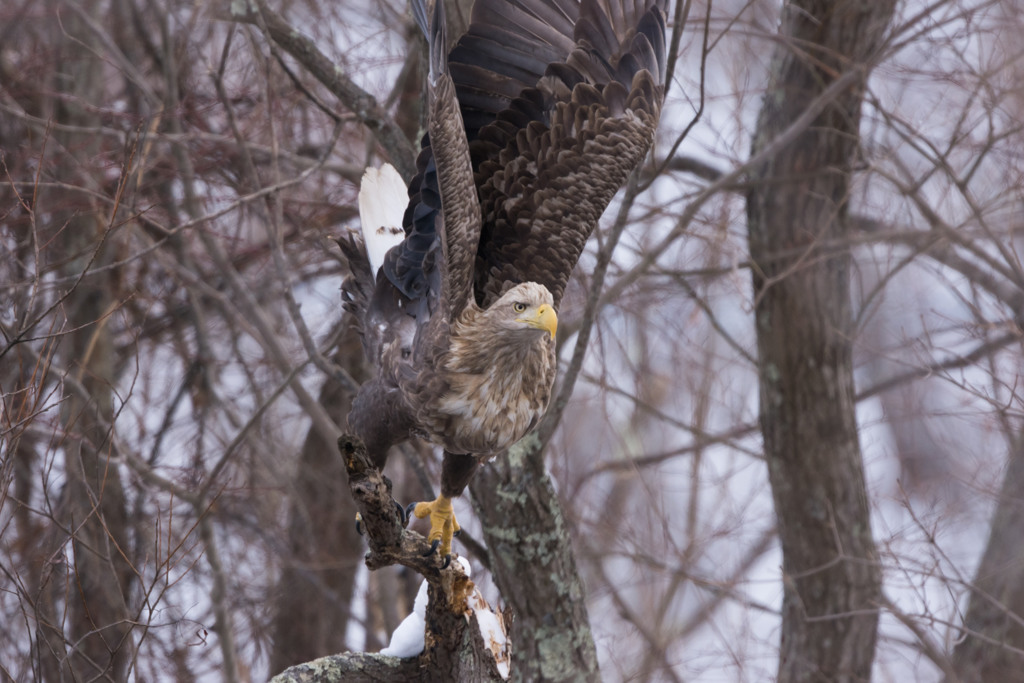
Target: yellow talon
x,y
442,522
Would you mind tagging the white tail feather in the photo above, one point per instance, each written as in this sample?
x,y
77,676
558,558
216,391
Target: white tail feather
x,y
382,200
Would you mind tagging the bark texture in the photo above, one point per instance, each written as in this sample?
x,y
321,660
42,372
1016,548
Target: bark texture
x,y
352,666
534,567
994,626
797,202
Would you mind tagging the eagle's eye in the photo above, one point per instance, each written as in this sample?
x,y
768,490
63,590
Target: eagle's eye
x,y
518,307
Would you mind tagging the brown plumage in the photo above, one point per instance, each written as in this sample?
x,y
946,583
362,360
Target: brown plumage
x,y
498,373
536,118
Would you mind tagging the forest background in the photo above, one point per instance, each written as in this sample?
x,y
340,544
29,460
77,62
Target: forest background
x,y
792,447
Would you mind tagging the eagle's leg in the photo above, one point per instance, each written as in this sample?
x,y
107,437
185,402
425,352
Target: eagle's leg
x,y
456,471
380,420
442,523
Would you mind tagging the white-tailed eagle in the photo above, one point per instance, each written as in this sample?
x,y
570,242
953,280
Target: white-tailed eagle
x,y
536,118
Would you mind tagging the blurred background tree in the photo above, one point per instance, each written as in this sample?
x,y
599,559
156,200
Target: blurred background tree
x,y
175,368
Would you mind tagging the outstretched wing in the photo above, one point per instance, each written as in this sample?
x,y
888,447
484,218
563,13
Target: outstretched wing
x,y
559,101
552,160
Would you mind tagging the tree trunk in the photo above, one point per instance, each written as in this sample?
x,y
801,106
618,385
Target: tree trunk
x,y
994,625
798,202
534,567
99,616
314,591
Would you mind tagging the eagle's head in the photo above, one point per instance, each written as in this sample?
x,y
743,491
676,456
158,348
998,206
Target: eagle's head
x,y
525,310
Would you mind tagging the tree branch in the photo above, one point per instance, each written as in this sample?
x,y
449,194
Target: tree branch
x,y
454,648
534,566
400,150
351,666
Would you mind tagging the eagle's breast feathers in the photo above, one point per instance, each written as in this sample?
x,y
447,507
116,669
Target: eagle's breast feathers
x,y
498,373
486,412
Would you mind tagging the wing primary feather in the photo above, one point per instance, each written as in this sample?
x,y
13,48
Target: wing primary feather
x,y
515,64
595,28
381,207
652,26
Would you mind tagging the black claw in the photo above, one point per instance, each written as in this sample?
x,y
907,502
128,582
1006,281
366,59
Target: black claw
x,y
457,533
433,548
408,511
447,561
401,512
359,525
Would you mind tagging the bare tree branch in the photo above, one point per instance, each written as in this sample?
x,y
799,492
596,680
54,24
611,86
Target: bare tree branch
x,y
400,151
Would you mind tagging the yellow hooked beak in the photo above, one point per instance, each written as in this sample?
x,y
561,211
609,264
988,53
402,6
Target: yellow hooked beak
x,y
543,318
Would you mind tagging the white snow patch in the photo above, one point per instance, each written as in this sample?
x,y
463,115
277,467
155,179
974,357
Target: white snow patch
x,y
492,630
407,640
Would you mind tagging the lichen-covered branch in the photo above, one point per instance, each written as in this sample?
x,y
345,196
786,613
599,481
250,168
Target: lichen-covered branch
x,y
351,666
534,567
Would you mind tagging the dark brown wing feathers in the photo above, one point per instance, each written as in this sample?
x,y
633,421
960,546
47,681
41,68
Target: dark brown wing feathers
x,y
545,182
573,69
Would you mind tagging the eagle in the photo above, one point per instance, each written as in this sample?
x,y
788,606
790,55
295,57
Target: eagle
x,y
536,118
